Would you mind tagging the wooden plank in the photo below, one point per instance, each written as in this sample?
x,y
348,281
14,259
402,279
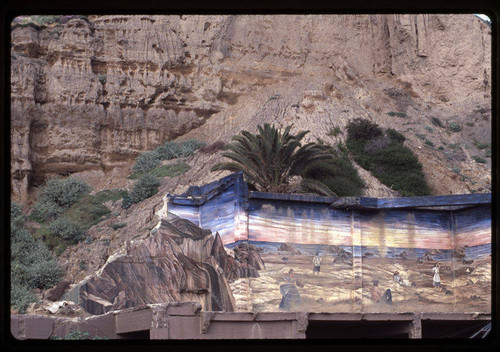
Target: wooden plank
x,y
429,201
291,197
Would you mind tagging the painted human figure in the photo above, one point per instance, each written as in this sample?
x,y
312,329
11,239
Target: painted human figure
x,y
290,293
436,280
377,295
316,264
397,277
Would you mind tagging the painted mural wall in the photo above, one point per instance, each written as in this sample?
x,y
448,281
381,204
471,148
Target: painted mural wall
x,y
384,255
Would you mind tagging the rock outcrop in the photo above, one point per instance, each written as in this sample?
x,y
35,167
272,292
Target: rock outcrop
x,y
180,262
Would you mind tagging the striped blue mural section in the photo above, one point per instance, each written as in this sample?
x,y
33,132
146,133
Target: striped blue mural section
x,y
361,241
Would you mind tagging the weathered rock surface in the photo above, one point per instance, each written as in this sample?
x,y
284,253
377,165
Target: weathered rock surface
x,y
180,262
89,95
55,293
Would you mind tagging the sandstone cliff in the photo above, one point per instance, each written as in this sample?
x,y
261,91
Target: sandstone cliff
x,y
90,94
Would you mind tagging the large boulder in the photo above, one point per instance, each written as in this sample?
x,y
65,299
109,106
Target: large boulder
x,y
171,265
180,262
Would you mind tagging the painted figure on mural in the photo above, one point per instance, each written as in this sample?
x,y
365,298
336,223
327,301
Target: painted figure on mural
x,y
316,264
436,280
290,293
377,295
397,278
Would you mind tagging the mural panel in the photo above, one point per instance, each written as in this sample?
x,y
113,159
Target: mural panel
x,y
302,254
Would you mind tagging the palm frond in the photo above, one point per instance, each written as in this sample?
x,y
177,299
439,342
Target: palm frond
x,y
317,186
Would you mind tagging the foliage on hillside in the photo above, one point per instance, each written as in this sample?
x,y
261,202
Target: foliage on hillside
x,y
338,174
271,157
66,211
383,153
148,166
32,265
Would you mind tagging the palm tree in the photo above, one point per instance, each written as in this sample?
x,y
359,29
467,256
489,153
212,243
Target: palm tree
x,y
269,158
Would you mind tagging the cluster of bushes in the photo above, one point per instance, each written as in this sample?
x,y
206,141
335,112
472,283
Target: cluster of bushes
x,y
397,113
32,265
383,153
53,209
41,21
56,196
148,166
149,160
455,127
66,211
145,187
338,174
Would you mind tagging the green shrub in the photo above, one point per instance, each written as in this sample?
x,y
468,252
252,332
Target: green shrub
x,y
16,211
455,127
456,170
487,153
171,170
363,130
478,159
339,175
146,162
145,187
399,114
126,201
395,135
437,122
429,143
118,226
188,147
63,192
170,150
376,144
334,131
342,148
470,124
150,160
32,265
393,164
21,297
109,194
45,210
421,136
440,147
88,211
430,129
480,145
67,230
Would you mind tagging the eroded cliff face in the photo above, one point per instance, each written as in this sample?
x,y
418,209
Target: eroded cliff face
x,y
89,95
